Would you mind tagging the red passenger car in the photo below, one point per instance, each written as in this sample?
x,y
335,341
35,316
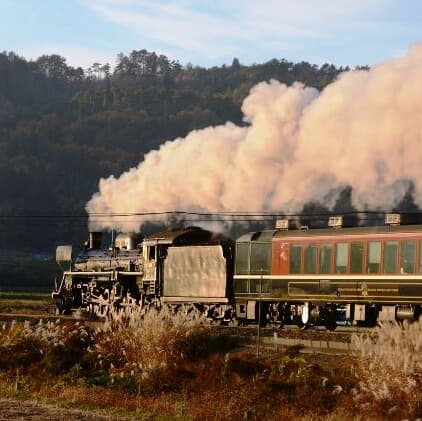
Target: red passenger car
x,y
310,276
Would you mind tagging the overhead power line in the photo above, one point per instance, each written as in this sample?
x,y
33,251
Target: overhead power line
x,y
212,216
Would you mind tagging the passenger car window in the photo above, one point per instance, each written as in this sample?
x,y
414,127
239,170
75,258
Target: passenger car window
x,y
241,285
295,258
341,257
390,256
374,257
356,258
310,258
420,256
256,283
407,257
325,258
260,258
242,259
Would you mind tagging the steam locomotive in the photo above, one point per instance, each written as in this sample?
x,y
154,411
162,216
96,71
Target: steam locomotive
x,y
181,268
300,276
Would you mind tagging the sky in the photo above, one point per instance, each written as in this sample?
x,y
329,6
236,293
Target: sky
x,y
212,32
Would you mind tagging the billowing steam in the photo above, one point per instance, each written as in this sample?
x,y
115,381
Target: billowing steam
x,y
364,130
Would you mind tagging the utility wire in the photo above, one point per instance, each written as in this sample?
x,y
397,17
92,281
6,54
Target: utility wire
x,y
224,215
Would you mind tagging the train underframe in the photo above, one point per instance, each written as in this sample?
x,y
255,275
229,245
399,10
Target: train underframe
x,y
97,294
328,314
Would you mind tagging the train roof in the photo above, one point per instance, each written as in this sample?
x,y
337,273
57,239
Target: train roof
x,y
171,236
185,236
268,235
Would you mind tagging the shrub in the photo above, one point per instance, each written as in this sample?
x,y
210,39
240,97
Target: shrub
x,y
390,369
147,347
146,355
17,349
63,345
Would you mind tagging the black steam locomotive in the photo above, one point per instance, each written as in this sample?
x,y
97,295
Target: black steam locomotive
x,y
188,267
283,276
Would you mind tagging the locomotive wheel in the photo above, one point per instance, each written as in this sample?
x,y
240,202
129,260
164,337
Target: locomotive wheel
x,y
285,316
91,309
102,309
106,295
131,304
234,322
59,306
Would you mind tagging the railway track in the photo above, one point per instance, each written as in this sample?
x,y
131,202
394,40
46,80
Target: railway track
x,y
292,336
22,317
274,338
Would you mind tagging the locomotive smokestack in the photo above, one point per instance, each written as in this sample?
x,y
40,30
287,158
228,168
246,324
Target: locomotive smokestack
x,y
94,240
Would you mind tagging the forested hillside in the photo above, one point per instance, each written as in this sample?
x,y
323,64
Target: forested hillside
x,y
62,128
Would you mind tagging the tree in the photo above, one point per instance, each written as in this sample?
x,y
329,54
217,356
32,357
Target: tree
x,y
235,64
62,129
53,66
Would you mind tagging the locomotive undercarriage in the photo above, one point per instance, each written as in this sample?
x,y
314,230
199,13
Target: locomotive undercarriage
x,y
94,294
97,295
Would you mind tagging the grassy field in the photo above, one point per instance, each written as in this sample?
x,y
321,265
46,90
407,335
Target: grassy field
x,y
26,282
25,302
161,366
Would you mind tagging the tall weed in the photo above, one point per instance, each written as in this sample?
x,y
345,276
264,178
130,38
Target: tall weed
x,y
390,368
144,348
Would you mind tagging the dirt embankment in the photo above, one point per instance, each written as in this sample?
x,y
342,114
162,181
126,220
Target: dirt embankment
x,y
14,409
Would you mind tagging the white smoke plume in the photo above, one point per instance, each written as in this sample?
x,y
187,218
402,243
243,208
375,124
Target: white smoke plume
x,y
363,130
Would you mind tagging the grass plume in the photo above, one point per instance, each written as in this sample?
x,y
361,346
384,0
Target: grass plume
x,y
389,369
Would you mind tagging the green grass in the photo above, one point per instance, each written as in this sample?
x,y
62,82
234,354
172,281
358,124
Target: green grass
x,y
24,295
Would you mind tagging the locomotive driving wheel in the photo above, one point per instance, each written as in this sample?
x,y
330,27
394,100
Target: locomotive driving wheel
x,y
130,303
60,306
104,307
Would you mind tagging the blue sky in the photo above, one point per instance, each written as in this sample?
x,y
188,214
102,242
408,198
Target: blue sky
x,y
212,32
